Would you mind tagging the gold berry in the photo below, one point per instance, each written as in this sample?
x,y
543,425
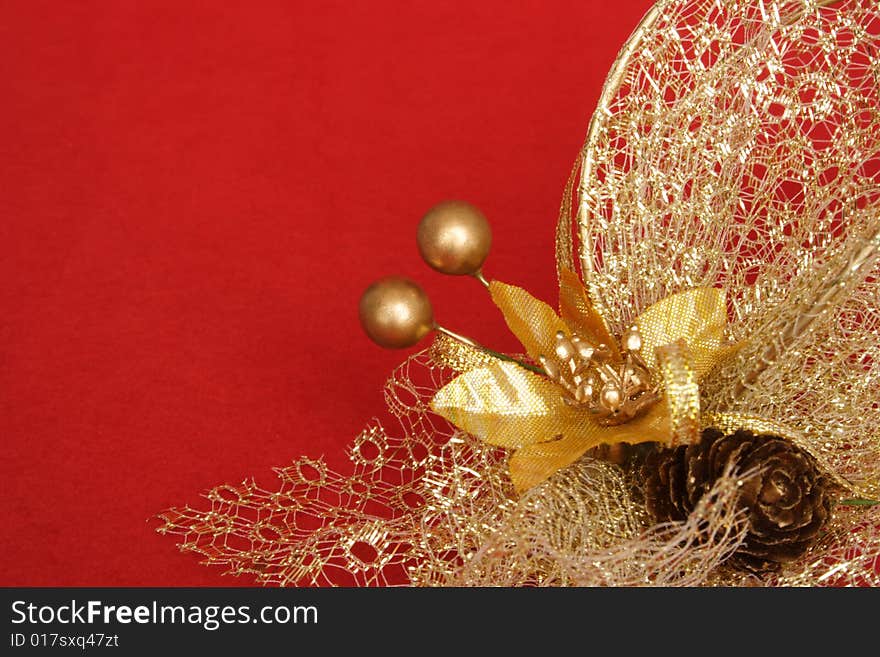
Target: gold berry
x,y
454,238
396,313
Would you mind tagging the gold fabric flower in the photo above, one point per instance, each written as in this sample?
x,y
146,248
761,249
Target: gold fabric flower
x,y
507,405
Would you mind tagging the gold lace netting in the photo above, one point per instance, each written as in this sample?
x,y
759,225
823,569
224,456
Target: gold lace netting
x,y
735,144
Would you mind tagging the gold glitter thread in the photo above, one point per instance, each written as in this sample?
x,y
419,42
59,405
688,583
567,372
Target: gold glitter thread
x,y
682,392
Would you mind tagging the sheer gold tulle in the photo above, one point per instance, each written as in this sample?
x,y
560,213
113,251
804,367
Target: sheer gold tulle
x,y
735,146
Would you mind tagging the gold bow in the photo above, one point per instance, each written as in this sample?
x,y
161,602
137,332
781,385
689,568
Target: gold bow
x,y
509,406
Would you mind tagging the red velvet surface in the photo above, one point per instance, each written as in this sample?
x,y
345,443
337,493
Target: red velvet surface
x,y
193,196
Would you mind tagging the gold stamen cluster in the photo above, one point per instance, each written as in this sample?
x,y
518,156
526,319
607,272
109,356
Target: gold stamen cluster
x,y
615,390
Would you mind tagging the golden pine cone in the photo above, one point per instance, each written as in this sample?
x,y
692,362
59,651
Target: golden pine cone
x,y
788,501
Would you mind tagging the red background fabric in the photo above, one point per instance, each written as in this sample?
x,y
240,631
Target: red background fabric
x,y
193,196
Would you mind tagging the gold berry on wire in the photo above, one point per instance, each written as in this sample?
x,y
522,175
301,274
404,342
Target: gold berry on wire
x,y
454,238
396,313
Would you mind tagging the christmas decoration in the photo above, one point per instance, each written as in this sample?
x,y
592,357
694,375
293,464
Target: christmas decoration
x,y
703,408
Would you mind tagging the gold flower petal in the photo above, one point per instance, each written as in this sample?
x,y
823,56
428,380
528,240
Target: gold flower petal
x,y
697,316
532,321
504,405
652,427
580,315
533,464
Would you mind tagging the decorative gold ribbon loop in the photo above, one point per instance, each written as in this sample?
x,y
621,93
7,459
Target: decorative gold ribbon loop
x,y
682,392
